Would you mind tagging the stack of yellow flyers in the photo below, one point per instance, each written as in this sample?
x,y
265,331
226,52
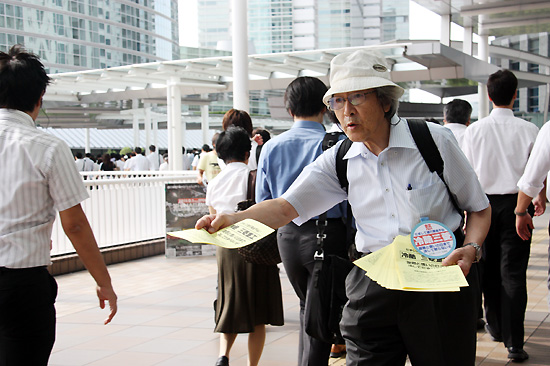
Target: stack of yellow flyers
x,y
399,266
235,236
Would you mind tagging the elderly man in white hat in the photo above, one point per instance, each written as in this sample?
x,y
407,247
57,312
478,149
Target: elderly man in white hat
x,y
390,189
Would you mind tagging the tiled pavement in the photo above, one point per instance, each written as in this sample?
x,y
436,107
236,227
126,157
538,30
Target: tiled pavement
x,y
166,317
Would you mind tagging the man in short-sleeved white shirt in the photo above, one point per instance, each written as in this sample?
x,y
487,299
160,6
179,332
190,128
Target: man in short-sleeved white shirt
x,y
390,189
456,117
40,180
154,158
532,187
498,147
138,162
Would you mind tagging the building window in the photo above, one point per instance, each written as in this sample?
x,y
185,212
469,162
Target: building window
x,y
533,99
515,107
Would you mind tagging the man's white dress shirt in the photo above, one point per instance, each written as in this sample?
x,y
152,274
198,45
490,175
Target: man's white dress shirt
x,y
38,179
458,130
538,166
138,163
498,147
154,161
382,204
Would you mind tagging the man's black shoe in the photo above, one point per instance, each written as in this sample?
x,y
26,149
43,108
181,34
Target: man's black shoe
x,y
517,354
222,361
494,337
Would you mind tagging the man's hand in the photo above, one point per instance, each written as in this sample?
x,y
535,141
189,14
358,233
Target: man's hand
x,y
540,205
105,293
463,256
259,139
524,225
215,222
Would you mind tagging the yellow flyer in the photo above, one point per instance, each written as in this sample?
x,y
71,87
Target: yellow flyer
x,y
420,272
399,266
235,236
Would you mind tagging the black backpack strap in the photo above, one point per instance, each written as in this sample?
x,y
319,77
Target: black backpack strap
x,y
429,151
342,164
342,173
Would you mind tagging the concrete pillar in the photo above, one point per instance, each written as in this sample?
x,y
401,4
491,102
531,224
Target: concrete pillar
x,y
87,142
240,55
467,44
175,157
483,54
147,122
446,29
205,127
547,99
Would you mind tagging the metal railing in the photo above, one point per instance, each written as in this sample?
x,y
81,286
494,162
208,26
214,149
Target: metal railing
x,y
124,207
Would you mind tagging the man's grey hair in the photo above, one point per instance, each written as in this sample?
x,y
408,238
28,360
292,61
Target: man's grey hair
x,y
389,95
457,111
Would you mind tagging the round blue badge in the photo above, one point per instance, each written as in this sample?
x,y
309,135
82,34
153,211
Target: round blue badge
x,y
433,239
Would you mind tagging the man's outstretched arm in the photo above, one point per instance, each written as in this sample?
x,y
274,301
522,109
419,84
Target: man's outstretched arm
x,y
78,230
273,213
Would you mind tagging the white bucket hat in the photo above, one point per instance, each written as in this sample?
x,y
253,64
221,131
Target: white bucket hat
x,y
359,70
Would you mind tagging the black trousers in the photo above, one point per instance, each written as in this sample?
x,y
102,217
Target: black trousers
x,y
505,260
381,327
297,244
27,316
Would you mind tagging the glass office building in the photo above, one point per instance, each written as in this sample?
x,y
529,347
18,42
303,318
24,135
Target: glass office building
x,y
72,35
530,101
298,25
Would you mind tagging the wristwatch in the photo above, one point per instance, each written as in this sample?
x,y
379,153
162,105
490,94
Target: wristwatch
x,y
477,248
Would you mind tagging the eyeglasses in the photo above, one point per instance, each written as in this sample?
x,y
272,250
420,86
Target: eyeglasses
x,y
336,103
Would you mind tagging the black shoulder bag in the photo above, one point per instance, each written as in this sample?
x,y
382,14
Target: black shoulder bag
x,y
264,251
326,293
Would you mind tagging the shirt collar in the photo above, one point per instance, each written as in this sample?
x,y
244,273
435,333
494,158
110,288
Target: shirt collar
x,y
399,137
308,124
502,112
14,115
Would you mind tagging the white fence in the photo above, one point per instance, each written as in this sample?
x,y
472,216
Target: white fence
x,y
124,207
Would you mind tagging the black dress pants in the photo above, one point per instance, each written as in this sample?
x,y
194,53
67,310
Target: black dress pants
x,y
381,327
505,260
297,244
27,316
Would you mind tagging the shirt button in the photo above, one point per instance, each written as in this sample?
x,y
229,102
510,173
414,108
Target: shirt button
x,y
382,164
393,215
387,189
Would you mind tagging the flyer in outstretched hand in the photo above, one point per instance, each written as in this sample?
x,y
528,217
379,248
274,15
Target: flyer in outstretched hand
x,y
235,236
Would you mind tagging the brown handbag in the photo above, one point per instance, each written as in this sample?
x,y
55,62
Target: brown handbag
x,y
264,251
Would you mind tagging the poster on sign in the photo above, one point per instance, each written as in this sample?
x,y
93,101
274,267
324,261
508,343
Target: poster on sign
x,y
185,204
433,239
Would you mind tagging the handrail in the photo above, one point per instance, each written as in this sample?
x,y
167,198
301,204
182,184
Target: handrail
x,y
123,207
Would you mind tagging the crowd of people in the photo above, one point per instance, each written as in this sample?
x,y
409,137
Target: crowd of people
x,y
135,160
492,183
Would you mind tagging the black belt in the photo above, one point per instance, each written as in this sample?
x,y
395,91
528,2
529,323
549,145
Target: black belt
x,y
14,270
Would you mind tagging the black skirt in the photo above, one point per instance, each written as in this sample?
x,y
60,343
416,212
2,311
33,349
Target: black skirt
x,y
248,294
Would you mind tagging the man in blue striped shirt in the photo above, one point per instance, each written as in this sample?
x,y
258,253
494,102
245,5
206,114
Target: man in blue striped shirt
x,y
281,161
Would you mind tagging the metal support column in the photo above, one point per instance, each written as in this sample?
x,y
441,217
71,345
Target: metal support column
x,y
483,54
147,122
173,96
446,29
87,142
240,55
204,122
